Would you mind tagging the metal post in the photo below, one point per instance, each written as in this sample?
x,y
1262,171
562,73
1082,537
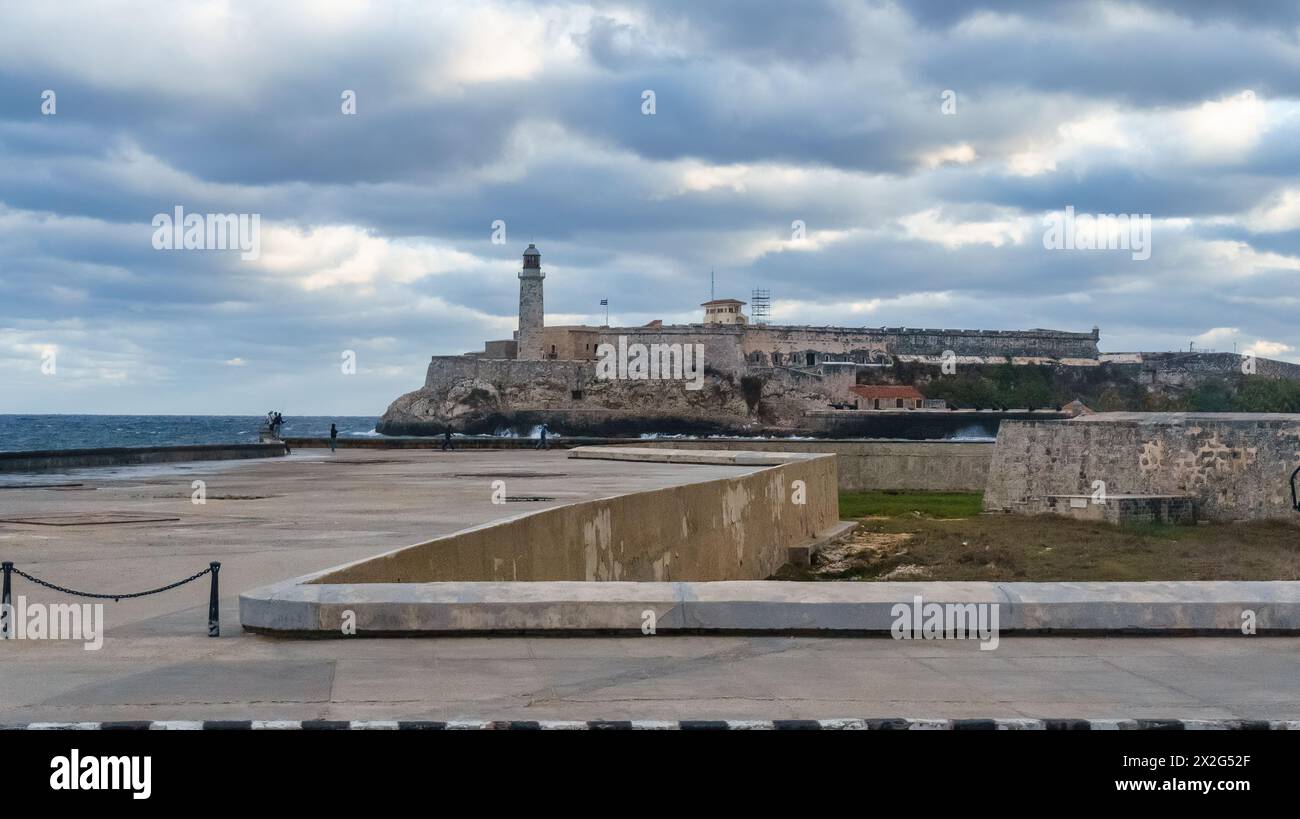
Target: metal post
x,y
6,598
214,611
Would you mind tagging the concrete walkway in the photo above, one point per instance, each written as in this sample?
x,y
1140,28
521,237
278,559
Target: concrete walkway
x,y
142,674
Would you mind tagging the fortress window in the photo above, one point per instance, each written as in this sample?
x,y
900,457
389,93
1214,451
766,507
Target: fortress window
x,y
776,358
577,395
812,359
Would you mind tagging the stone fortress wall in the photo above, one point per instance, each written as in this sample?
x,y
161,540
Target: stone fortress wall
x,y
735,348
1184,369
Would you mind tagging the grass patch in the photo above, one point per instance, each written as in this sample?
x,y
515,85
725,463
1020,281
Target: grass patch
x,y
914,504
942,536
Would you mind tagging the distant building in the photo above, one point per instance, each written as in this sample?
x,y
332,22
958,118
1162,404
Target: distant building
x,y
724,311
883,397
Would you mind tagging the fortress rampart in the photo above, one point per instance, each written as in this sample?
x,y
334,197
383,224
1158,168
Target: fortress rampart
x,y
735,348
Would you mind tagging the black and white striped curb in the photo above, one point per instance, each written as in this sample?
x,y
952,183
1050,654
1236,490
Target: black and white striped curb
x,y
682,725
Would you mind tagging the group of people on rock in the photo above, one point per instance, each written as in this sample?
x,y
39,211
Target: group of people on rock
x,y
274,421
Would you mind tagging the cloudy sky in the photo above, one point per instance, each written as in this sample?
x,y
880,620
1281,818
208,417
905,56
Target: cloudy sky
x,y
921,146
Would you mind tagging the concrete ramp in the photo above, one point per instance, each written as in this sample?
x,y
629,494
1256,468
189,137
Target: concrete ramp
x,y
776,509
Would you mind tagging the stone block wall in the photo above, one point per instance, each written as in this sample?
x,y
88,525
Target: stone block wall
x,y
1127,510
1236,465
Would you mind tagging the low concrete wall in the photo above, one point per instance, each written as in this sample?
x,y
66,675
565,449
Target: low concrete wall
x,y
435,442
52,460
864,466
740,528
831,608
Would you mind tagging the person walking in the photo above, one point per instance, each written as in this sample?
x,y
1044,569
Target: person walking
x,y
446,439
334,436
541,441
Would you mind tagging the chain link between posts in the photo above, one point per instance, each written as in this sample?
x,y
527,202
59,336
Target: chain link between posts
x,y
214,614
113,597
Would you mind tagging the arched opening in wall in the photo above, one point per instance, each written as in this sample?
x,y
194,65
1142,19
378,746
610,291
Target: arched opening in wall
x,y
811,359
776,359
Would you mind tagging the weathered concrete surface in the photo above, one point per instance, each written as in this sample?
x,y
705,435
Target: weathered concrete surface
x,y
708,528
1237,465
51,460
158,663
756,607
158,670
864,466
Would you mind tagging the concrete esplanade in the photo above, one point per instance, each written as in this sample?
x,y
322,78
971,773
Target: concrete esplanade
x,y
693,557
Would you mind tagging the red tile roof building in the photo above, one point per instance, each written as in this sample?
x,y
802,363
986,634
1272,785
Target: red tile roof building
x,y
888,397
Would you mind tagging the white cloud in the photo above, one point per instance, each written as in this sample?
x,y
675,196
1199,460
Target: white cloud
x,y
962,154
338,255
931,226
1268,349
1281,213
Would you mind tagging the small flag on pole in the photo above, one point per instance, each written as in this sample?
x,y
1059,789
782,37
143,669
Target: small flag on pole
x,y
604,302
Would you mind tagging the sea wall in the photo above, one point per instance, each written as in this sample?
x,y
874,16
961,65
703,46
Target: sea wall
x,y
52,460
1237,465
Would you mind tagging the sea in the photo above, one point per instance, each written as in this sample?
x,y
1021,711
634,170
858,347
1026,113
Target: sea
x,y
31,432
39,432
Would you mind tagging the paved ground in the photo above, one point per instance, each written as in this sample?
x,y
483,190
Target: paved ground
x,y
269,520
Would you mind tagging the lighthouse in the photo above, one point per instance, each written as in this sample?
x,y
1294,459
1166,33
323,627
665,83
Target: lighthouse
x,y
531,313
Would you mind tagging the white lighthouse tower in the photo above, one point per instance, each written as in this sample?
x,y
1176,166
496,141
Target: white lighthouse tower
x,y
531,312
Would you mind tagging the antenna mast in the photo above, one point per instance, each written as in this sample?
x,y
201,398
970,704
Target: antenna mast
x,y
760,305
